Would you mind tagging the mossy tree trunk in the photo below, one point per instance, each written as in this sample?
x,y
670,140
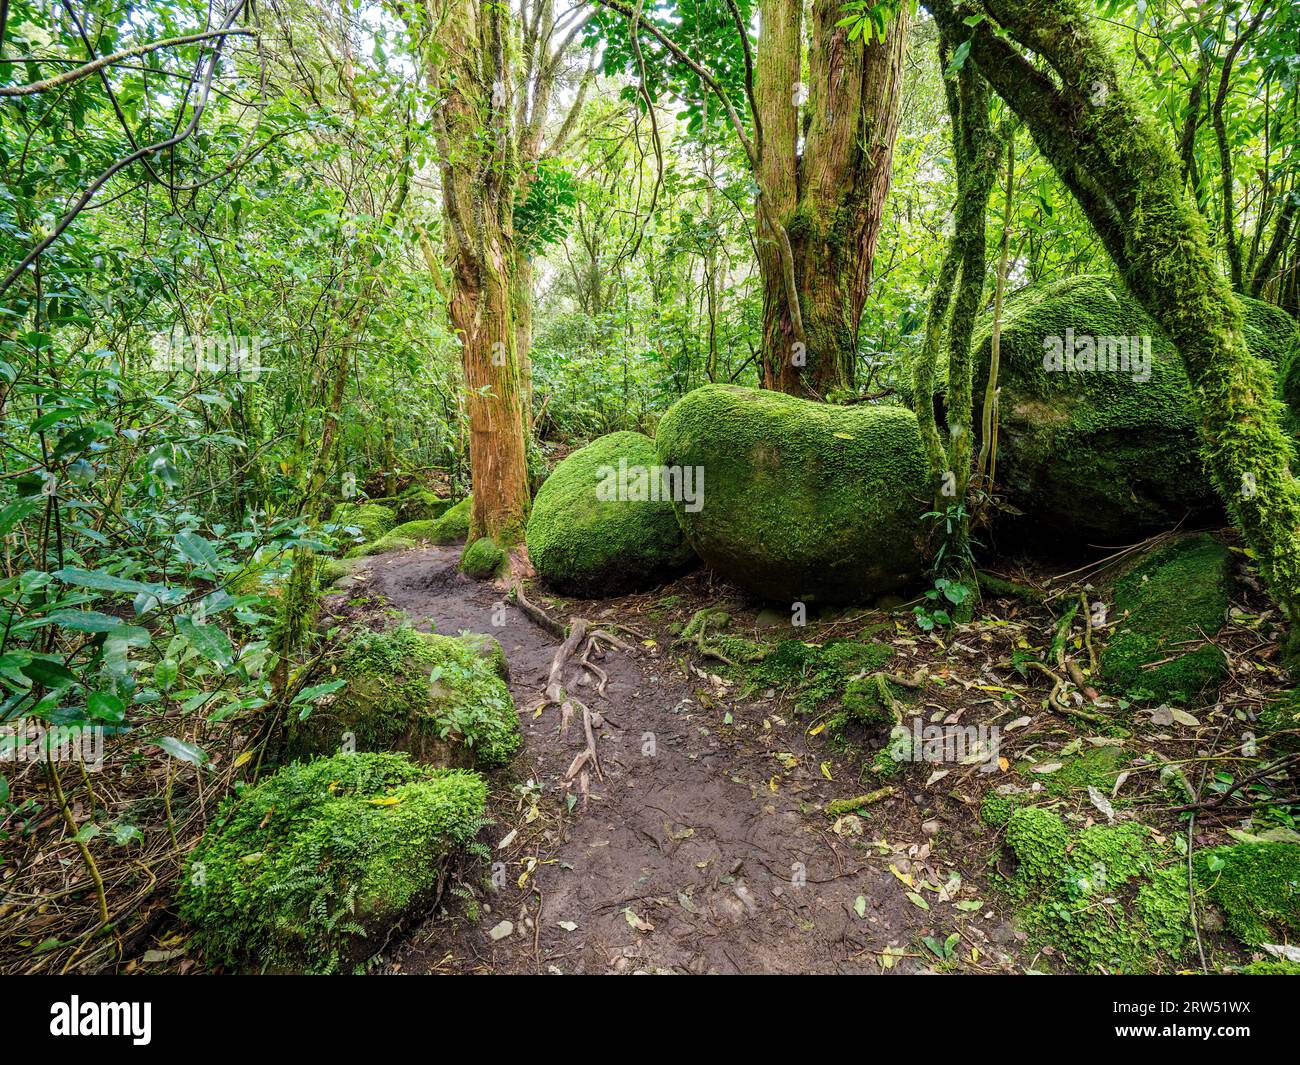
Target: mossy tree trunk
x,y
468,50
1127,178
830,198
960,283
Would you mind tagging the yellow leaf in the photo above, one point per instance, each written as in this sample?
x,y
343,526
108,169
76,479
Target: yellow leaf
x,y
387,800
1003,764
826,771
906,878
243,758
817,731
774,783
844,436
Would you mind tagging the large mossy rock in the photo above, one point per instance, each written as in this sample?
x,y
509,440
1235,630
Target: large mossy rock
x,y
1165,610
584,543
1100,457
802,501
442,699
452,525
308,870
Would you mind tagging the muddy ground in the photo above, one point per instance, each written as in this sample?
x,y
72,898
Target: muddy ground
x,y
704,848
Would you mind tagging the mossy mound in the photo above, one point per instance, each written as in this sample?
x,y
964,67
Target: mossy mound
x,y
419,504
440,698
1256,886
308,870
1279,722
1097,456
483,559
819,674
329,570
588,537
1176,594
802,501
453,525
402,537
373,520
1109,898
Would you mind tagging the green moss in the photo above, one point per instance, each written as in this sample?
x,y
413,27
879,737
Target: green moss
x,y
995,809
586,540
419,504
819,674
1178,593
802,501
1099,456
483,559
1092,766
329,570
307,871
1279,721
1110,897
440,698
1257,886
865,702
1271,967
453,526
372,519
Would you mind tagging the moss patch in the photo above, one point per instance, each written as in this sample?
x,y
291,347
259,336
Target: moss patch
x,y
1257,886
329,570
1110,897
802,501
483,559
306,871
1179,593
819,674
453,526
1279,721
589,537
440,698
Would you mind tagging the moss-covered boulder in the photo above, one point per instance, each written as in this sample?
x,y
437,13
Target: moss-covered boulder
x,y
443,699
594,531
1109,898
402,537
800,500
483,559
1257,888
1108,454
372,520
308,870
453,525
329,570
1164,610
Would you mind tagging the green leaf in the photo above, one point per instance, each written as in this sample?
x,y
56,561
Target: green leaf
x,y
198,550
958,58
209,640
105,706
48,673
186,752
105,582
316,691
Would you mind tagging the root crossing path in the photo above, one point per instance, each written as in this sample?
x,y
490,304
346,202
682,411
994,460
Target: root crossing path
x,y
701,846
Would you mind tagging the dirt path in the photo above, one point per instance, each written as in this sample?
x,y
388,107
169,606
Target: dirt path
x,y
704,848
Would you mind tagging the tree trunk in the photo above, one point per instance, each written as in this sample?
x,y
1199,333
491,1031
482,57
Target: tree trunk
x,y
1126,177
830,199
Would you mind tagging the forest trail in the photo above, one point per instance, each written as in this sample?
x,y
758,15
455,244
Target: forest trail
x,y
704,849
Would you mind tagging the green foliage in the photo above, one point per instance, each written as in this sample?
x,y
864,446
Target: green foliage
x,y
818,674
308,870
371,520
588,537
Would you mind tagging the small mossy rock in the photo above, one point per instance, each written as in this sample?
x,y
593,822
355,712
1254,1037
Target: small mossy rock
x,y
1109,898
1099,457
490,650
420,504
441,699
1176,594
453,525
585,539
802,501
1257,888
372,519
483,559
307,871
329,570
